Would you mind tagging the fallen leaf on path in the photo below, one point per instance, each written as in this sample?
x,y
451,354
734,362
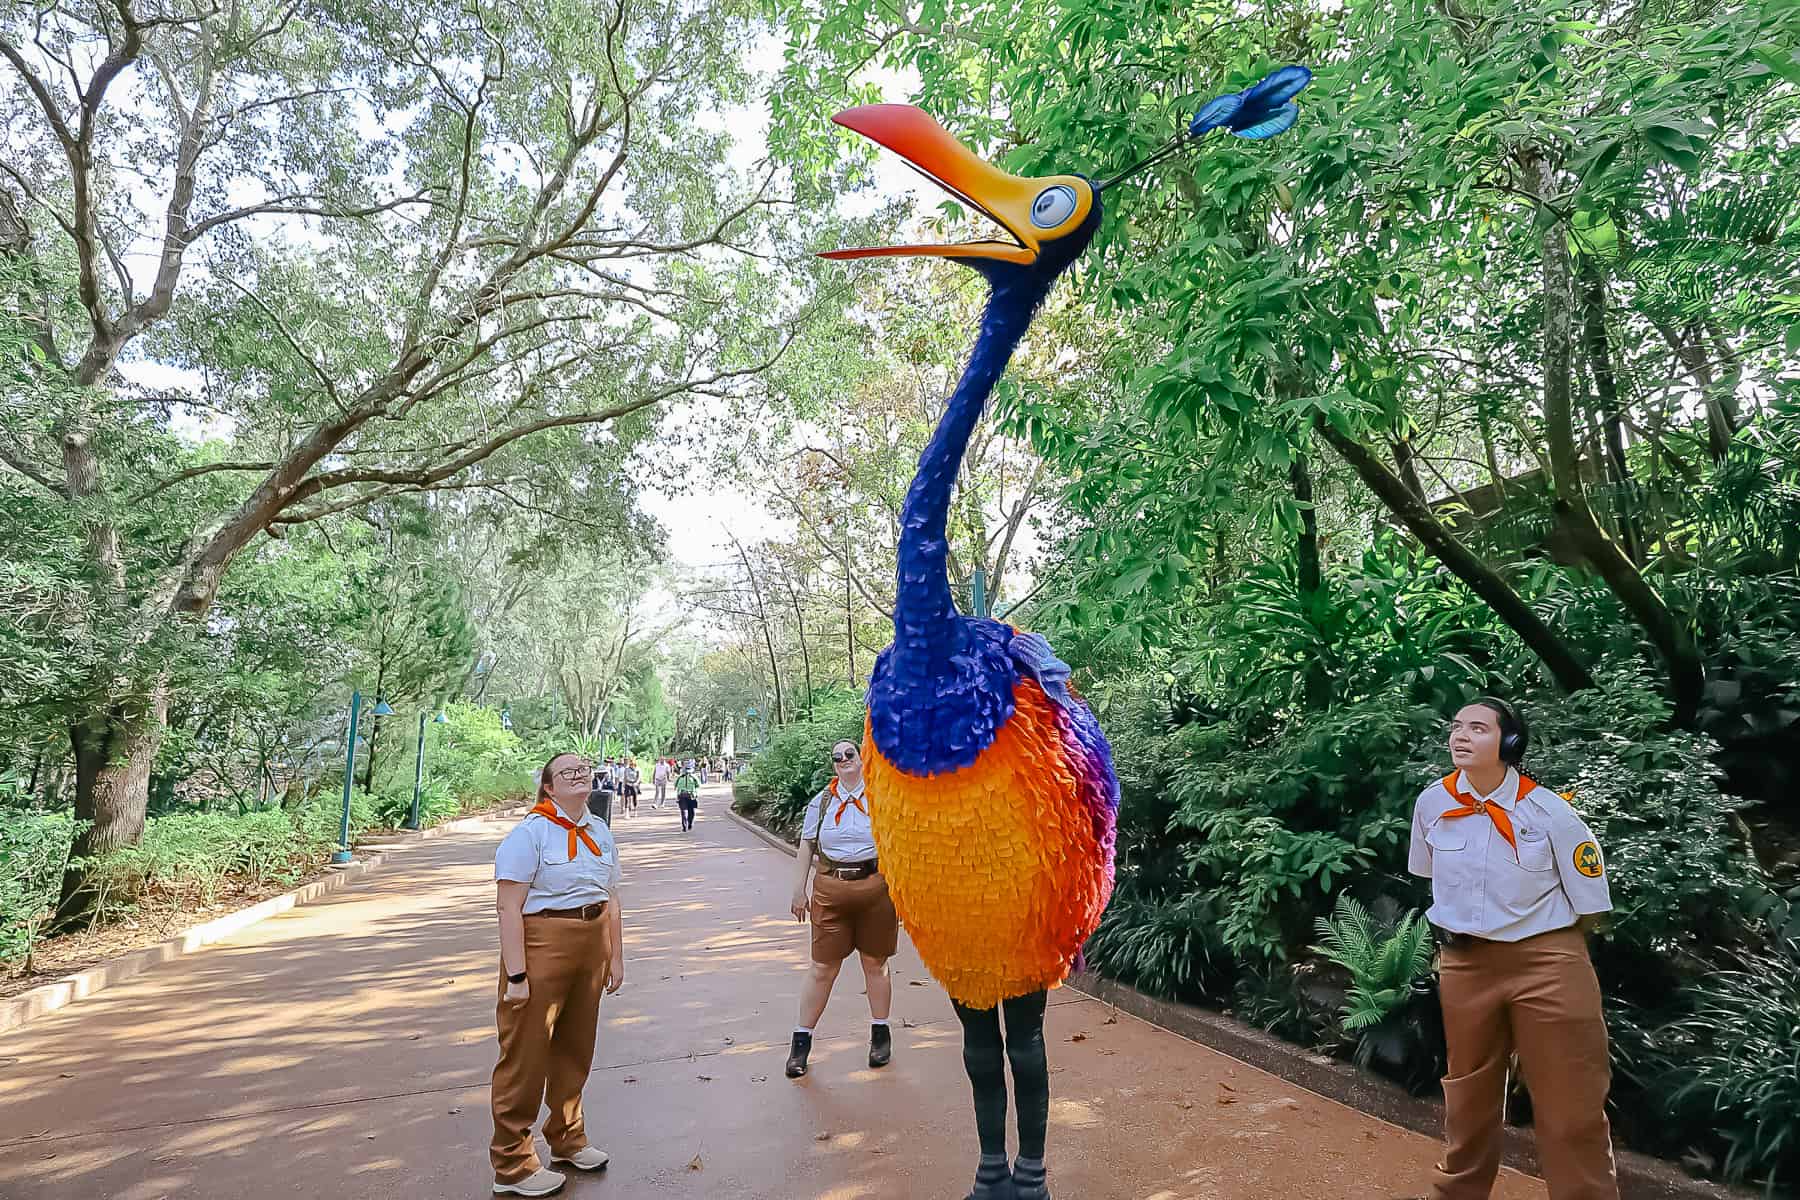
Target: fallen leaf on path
x,y
759,1079
696,1165
1184,1104
1080,1037
1113,1019
67,1075
706,1079
915,983
413,1037
821,1136
731,1041
629,1079
1227,1086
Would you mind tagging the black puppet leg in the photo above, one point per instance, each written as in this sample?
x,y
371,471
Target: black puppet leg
x,y
984,1058
1031,1089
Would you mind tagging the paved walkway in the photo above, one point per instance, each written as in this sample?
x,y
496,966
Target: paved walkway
x,y
342,1050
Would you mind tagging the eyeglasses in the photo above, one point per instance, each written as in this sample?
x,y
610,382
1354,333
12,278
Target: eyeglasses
x,y
576,774
845,757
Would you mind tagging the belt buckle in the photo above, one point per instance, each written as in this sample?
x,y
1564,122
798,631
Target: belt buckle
x,y
591,912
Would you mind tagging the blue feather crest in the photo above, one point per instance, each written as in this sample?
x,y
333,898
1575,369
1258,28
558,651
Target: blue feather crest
x,y
1262,110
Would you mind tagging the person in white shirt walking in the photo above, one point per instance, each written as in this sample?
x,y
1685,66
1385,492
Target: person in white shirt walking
x,y
660,776
849,905
1516,881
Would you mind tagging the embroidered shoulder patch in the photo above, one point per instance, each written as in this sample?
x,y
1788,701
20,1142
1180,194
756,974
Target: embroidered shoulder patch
x,y
1587,860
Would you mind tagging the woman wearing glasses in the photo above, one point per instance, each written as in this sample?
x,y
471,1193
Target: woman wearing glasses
x,y
849,906
561,944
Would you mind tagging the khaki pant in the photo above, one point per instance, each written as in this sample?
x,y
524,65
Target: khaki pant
x,y
547,1043
1540,998
852,915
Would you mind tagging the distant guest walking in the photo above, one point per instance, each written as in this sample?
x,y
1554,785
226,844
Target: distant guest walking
x,y
1516,879
661,778
561,945
849,906
687,797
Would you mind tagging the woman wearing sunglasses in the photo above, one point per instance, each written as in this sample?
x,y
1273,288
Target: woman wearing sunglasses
x,y
561,945
849,906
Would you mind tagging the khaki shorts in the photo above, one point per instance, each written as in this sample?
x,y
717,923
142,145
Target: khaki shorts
x,y
852,915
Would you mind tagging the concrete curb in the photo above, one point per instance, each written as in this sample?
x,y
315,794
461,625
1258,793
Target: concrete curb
x,y
27,1006
786,848
1640,1177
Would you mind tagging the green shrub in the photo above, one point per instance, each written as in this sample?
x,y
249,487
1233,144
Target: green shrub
x,y
1388,965
34,847
1728,1073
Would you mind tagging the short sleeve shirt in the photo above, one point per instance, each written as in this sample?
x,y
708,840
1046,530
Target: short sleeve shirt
x,y
536,852
1481,886
840,826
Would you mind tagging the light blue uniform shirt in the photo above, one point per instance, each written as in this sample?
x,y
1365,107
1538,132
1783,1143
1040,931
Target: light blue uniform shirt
x,y
1481,887
536,852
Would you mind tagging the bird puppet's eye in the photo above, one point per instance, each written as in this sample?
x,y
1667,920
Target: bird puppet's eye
x,y
1053,206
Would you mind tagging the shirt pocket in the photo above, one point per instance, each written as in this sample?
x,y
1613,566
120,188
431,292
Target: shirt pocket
x,y
1447,837
1535,851
557,872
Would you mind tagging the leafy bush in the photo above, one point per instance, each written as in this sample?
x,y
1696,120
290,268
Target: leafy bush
x,y
34,847
1168,946
1389,968
1734,1064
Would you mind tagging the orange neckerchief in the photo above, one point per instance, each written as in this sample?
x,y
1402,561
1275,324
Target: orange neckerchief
x,y
547,808
1471,806
845,803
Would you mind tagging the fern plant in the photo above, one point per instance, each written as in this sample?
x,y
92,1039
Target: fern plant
x,y
1386,963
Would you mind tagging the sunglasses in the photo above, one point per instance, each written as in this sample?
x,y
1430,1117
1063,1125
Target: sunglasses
x,y
845,757
575,774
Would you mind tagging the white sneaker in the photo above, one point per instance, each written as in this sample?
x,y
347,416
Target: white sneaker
x,y
541,1183
585,1159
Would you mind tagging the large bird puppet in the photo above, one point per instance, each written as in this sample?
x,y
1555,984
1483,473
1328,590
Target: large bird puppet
x,y
992,791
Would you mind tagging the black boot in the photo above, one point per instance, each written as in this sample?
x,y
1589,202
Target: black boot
x,y
796,1064
881,1045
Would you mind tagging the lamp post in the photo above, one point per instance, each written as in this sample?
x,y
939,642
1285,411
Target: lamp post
x,y
412,819
381,709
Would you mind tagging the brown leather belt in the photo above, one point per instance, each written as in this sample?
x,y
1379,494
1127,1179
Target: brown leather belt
x,y
851,872
587,912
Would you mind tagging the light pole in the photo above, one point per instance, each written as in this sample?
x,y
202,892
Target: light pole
x,y
381,709
412,820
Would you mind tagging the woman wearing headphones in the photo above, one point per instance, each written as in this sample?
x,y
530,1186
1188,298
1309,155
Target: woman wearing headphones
x,y
1516,881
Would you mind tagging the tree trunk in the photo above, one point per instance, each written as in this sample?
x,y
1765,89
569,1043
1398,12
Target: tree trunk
x,y
1686,672
114,750
1407,468
1606,392
1721,410
1311,578
1483,580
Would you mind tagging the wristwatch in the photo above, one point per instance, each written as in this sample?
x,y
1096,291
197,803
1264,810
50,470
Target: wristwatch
x,y
519,978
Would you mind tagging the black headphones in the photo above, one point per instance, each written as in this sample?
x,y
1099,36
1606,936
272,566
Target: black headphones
x,y
1515,735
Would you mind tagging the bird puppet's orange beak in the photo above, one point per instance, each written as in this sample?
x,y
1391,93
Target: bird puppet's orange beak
x,y
1031,210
